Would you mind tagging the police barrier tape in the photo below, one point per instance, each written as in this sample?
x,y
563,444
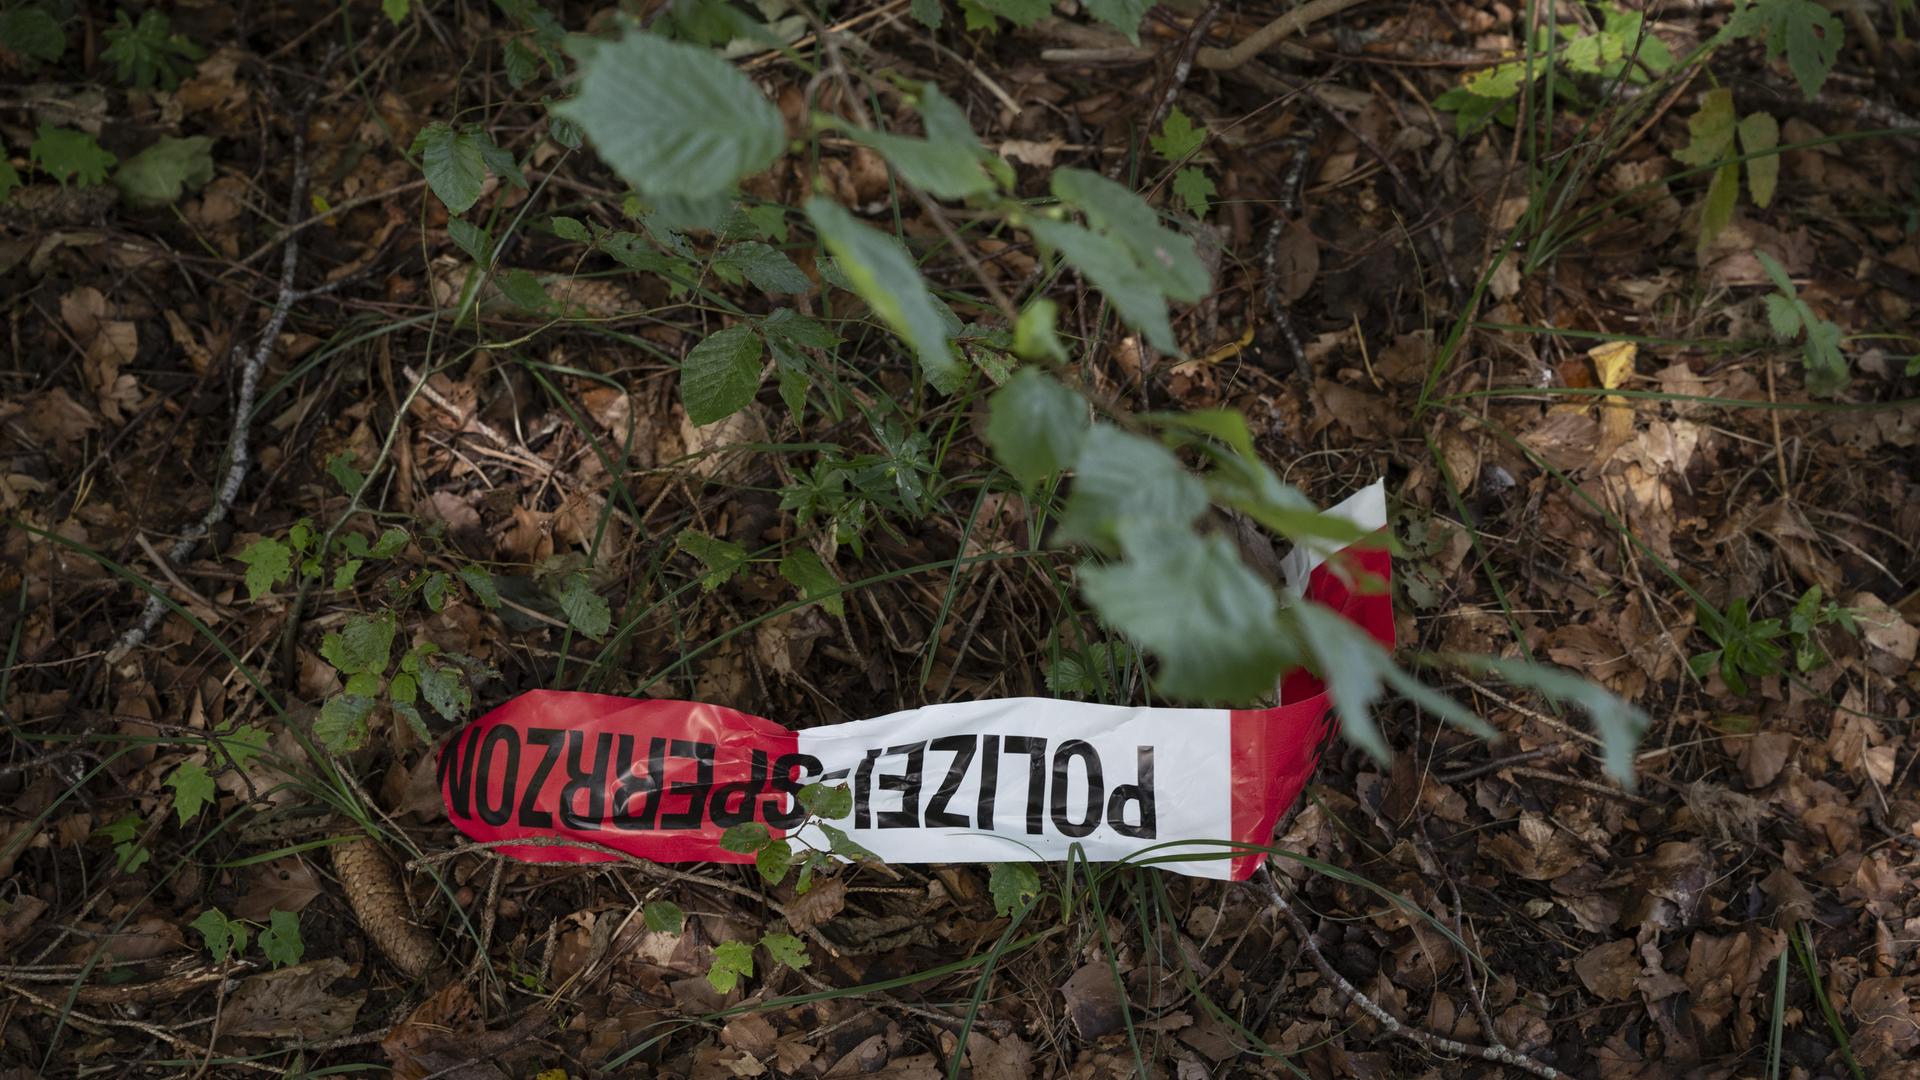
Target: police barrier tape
x,y
1000,780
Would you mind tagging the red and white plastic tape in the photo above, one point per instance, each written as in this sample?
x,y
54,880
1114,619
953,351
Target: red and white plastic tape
x,y
1001,780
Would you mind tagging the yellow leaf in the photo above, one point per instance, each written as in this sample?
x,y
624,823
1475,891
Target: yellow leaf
x,y
1612,364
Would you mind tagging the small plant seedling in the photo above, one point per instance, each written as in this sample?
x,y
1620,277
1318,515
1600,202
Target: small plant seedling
x,y
1791,317
147,52
1756,648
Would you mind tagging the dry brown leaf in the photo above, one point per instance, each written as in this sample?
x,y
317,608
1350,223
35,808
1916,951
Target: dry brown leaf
x,y
287,884
822,902
1535,850
1093,1001
293,1003
1610,970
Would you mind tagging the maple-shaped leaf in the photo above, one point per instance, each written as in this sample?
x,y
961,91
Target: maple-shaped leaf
x,y
66,154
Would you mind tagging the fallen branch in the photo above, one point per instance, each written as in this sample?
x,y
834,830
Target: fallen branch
x,y
1293,22
239,457
1435,1043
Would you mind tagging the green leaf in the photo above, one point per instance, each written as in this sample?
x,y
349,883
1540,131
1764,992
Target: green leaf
x,y
363,684
395,10
269,563
1122,15
446,692
721,374
830,801
390,543
404,688
1716,212
1122,215
65,154
1021,13
1710,131
341,726
452,160
1827,373
344,574
845,846
1036,426
1034,334
1225,425
1195,189
928,12
791,326
149,52
523,290
731,961
158,175
244,743
948,163
807,573
224,937
786,949
746,838
663,916
31,31
9,179
1619,724
1123,479
721,558
586,610
433,589
364,645
766,266
1777,274
881,273
472,239
1783,316
1188,599
1178,137
192,788
673,118
1356,669
1760,134
1013,885
340,467
481,582
1808,34
280,941
773,860
570,228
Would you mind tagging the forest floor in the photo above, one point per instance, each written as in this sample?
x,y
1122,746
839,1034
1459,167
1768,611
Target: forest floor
x,y
1600,454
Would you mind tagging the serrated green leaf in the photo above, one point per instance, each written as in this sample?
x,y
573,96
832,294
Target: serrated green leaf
x,y
31,31
341,726
192,788
1195,189
1777,274
786,949
1013,886
65,154
1122,479
224,937
522,63
364,684
446,692
1178,137
663,916
830,801
1035,336
721,558
1356,670
746,838
878,269
791,326
1036,426
433,589
1212,623
244,743
344,574
404,688
1122,15
948,163
766,266
1126,218
390,543
280,941
673,118
1827,373
928,13
570,228
269,563
149,52
472,239
1619,724
1107,266
732,960
808,574
363,645
1760,134
586,610
1808,34
1783,316
454,167
160,174
481,582
773,860
720,375
1710,131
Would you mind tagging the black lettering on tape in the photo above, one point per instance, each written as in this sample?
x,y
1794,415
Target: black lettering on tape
x,y
531,816
1063,759
989,779
456,772
1036,750
963,748
907,784
862,777
1141,795
696,792
748,790
784,810
509,738
591,782
637,778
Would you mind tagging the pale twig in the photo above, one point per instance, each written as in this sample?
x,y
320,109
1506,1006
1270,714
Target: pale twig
x,y
84,1020
1293,22
1426,1039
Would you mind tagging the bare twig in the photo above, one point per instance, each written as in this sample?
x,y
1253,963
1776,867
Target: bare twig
x,y
1428,1040
1293,22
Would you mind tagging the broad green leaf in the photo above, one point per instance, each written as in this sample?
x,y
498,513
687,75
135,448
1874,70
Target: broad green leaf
x,y
881,272
350,479
845,846
344,574
799,329
1121,480
481,582
745,838
244,743
1036,425
1013,885
773,861
445,691
928,12
522,62
663,916
721,558
1225,425
731,961
1356,669
389,543
149,52
395,10
1619,724
1188,599
192,788
455,168
830,801
767,267
1195,189
1119,213
30,31
586,610
404,688
786,949
476,241
1827,373
1808,34
158,175
949,162
571,228
1760,134
1178,137
65,154
1021,13
808,574
1716,212
224,937
523,290
1710,131
363,645
280,941
1035,336
1107,265
341,726
363,684
673,118
721,374
269,563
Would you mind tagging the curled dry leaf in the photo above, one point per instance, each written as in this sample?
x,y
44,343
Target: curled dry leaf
x,y
373,890
294,1003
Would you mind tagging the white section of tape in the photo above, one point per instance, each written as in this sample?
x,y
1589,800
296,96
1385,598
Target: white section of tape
x,y
1113,779
1366,509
